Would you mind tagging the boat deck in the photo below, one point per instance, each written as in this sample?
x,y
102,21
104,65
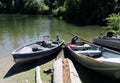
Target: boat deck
x,y
110,57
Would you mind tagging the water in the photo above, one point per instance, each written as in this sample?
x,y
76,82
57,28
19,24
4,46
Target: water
x,y
17,30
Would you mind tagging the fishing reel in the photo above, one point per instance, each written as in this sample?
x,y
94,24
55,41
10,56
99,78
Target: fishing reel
x,y
74,39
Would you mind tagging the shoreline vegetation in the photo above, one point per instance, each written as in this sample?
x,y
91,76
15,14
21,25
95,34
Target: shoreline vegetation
x,y
83,12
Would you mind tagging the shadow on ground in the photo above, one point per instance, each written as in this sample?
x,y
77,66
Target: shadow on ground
x,y
86,75
18,68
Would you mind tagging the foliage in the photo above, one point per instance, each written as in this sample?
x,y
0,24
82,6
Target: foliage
x,y
72,9
8,3
45,8
34,6
2,5
113,22
88,11
79,11
59,11
58,8
24,6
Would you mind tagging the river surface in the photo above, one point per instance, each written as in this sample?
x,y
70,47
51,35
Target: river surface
x,y
17,30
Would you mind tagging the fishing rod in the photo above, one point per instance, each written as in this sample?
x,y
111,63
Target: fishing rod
x,y
75,35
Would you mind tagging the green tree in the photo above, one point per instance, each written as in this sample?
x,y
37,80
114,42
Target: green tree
x,y
88,11
33,6
7,2
113,22
2,5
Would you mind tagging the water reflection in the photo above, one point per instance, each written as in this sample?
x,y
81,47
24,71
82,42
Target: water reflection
x,y
17,30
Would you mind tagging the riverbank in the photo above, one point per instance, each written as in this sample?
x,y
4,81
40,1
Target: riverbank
x,y
16,73
12,73
25,73
19,73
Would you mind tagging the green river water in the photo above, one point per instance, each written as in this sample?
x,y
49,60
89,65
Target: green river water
x,y
17,30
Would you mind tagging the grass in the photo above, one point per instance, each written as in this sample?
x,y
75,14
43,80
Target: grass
x,y
46,78
29,75
26,77
25,73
